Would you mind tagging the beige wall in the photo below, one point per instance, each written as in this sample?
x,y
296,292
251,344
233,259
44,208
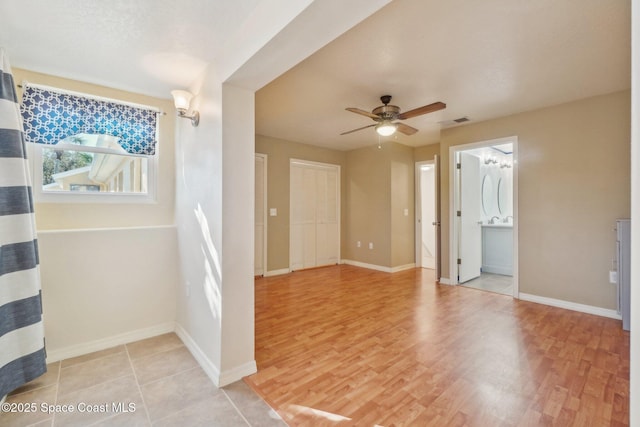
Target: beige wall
x,y
402,200
368,205
99,263
426,152
376,186
98,291
574,181
52,216
380,187
279,152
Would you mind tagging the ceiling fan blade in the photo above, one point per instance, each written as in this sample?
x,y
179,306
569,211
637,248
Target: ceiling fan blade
x,y
407,130
362,112
422,110
355,130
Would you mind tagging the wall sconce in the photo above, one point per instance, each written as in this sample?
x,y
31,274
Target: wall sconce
x,y
182,99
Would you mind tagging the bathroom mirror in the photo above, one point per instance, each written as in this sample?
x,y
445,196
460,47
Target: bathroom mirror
x,y
487,194
502,197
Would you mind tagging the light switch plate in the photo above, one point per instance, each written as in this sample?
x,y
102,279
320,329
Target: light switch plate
x,y
273,212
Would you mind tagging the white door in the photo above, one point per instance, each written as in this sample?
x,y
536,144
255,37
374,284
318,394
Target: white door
x,y
297,227
315,226
428,216
470,243
259,258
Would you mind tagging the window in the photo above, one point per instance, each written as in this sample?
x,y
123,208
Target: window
x,y
89,149
94,163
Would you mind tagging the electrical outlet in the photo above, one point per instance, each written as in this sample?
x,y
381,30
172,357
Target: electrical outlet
x,y
613,277
406,212
358,244
370,245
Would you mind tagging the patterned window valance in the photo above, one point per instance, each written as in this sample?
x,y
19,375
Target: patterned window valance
x,y
51,115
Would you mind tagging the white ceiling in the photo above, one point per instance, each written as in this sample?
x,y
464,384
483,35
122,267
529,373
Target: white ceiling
x,y
484,59
144,46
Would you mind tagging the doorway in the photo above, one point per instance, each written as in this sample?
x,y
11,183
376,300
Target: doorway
x,y
483,213
427,184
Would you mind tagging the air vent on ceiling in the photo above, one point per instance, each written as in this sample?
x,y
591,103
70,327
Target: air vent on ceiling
x,y
459,120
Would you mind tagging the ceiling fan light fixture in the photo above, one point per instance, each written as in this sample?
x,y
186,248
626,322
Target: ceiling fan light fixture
x,y
386,128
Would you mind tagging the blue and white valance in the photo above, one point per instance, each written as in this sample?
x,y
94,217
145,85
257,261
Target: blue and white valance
x,y
51,115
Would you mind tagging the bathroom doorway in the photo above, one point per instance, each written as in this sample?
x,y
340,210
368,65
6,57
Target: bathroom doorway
x,y
427,184
483,213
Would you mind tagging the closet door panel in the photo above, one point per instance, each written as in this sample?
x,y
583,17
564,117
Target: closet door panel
x,y
333,243
309,245
333,218
315,214
309,195
296,261
322,245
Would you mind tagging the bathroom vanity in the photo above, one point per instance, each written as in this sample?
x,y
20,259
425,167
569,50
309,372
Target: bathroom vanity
x,y
497,248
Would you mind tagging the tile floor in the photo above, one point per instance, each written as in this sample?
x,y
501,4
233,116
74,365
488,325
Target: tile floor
x,y
153,382
493,283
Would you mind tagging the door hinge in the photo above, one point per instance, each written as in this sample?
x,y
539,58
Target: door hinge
x,y
458,165
459,261
459,213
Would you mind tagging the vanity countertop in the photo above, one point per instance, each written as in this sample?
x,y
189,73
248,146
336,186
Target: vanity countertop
x,y
499,225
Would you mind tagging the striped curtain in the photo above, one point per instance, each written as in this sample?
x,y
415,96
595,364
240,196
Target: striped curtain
x,y
22,353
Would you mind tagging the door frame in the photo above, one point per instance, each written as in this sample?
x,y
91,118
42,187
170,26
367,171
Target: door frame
x,y
418,212
453,203
265,216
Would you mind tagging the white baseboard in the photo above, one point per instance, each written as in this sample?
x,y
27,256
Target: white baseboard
x,y
207,365
104,343
403,267
378,267
589,309
236,374
365,265
354,263
219,379
277,272
445,281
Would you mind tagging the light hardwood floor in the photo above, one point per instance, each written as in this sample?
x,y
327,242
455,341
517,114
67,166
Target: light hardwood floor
x,y
348,346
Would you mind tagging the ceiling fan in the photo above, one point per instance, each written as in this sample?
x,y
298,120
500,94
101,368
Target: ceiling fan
x,y
386,114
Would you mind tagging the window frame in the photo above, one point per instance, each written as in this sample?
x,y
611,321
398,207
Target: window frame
x,y
41,196
35,154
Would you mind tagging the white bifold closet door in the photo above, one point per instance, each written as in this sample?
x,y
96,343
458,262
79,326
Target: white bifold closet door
x,y
315,214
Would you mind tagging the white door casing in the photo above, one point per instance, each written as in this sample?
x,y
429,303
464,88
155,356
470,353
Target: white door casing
x,y
426,218
454,205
